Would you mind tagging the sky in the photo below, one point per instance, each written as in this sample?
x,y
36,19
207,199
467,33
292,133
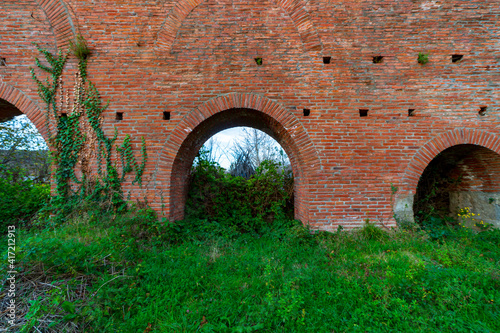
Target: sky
x,y
225,140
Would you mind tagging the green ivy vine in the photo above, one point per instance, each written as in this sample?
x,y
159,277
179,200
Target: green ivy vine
x,y
64,117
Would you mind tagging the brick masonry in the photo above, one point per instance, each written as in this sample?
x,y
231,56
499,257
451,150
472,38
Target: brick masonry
x,y
196,60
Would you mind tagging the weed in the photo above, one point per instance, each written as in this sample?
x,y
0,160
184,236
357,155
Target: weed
x,y
80,48
423,58
469,219
371,232
394,189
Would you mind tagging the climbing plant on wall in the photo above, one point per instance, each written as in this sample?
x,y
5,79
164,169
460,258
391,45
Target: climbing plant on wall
x,y
84,157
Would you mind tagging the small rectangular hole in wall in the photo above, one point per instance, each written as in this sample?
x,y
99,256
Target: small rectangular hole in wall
x,y
3,62
64,115
119,116
327,60
456,57
166,115
307,112
363,112
258,61
378,59
482,110
411,112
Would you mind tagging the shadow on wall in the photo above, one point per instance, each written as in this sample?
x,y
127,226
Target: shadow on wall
x,y
459,177
8,111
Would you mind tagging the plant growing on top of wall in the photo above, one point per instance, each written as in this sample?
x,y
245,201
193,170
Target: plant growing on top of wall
x,y
76,138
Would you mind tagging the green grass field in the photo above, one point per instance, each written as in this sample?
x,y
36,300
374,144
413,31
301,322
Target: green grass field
x,y
126,275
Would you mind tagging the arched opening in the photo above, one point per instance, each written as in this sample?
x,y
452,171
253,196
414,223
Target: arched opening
x,y
462,176
218,122
241,179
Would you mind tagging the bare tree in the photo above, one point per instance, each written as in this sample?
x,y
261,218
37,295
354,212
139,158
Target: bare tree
x,y
254,147
211,151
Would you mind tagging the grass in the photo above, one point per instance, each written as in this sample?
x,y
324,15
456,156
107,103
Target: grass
x,y
128,275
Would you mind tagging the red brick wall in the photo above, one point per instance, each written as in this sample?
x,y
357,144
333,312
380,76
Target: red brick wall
x,y
196,58
477,168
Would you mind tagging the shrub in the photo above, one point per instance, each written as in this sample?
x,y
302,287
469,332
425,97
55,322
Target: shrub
x,y
20,200
236,203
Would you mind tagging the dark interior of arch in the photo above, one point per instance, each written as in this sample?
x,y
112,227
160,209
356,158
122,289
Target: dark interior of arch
x,y
460,176
216,123
8,111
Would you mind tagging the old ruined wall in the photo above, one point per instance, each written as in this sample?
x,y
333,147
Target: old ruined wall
x,y
192,62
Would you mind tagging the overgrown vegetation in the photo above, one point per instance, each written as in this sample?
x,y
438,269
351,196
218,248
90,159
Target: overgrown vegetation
x,y
130,273
20,199
24,173
434,195
79,146
432,200
236,203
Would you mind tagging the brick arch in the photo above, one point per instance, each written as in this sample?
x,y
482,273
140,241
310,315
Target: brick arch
x,y
190,134
294,8
60,19
431,149
25,105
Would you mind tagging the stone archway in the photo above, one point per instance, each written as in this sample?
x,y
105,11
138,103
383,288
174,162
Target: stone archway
x,y
225,112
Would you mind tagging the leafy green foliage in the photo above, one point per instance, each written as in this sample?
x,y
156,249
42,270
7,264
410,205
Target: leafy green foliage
x,y
423,58
129,162
20,199
237,203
